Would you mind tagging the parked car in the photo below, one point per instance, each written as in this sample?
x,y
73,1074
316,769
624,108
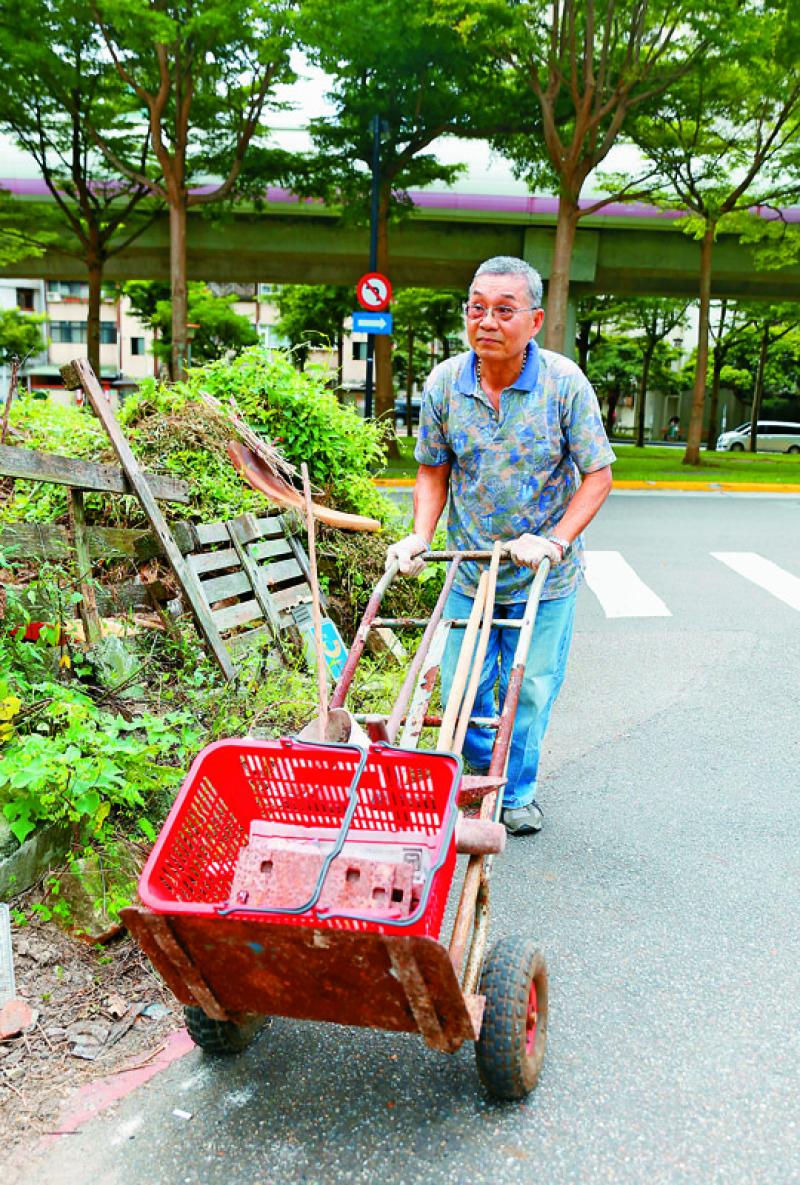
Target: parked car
x,y
773,436
400,410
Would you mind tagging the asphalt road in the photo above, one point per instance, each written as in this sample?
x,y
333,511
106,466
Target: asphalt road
x,y
663,890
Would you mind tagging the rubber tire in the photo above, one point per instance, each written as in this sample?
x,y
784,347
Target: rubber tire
x,y
505,1068
221,1037
738,447
793,448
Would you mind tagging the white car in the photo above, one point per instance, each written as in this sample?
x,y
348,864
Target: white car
x,y
774,436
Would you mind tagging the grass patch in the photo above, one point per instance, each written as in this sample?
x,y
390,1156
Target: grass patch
x,y
665,464
655,463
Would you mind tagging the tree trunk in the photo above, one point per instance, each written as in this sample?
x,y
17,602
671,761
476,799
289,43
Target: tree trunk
x,y
758,392
555,322
94,265
177,279
642,400
713,414
718,355
584,337
410,380
692,454
613,400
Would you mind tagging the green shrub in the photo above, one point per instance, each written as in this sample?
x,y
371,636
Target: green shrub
x,y
294,410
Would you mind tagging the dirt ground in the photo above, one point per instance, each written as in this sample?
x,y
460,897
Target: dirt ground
x,y
98,1008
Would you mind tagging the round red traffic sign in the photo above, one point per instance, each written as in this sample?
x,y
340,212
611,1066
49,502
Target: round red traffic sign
x,y
374,292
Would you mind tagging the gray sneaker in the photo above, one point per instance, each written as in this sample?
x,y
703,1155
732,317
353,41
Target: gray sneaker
x,y
523,820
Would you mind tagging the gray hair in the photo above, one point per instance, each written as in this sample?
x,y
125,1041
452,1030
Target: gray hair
x,y
509,265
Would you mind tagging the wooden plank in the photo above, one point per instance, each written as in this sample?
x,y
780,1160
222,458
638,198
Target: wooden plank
x,y
302,559
240,642
240,530
270,526
184,534
233,615
267,549
208,533
282,571
212,561
31,465
50,541
110,600
88,606
221,587
80,372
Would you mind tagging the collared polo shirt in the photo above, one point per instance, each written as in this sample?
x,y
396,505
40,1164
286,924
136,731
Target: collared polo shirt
x,y
514,471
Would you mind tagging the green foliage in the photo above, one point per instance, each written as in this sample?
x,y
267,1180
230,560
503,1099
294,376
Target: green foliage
x,y
312,315
20,334
64,758
51,428
171,431
295,410
219,330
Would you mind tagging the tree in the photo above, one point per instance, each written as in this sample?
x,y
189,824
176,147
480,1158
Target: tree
x,y
219,331
20,335
314,313
589,65
54,87
411,67
614,370
202,72
651,322
733,326
725,141
423,315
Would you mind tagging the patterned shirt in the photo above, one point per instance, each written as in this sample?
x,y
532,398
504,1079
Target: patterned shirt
x,y
516,471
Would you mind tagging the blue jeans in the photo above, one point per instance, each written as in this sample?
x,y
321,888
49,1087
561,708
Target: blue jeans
x,y
544,674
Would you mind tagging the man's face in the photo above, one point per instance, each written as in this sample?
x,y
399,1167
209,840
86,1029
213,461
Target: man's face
x,y
491,338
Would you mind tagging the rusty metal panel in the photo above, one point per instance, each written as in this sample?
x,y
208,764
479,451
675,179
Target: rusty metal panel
x,y
415,718
345,977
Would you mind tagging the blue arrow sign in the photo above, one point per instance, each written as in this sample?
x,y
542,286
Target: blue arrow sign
x,y
372,322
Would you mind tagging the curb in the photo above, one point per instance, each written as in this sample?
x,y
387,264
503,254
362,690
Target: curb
x,y
714,487
97,1096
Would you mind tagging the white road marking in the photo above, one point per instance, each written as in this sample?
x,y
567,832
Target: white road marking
x,y
618,589
764,573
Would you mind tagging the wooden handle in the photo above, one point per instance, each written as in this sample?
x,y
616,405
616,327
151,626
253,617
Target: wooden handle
x,y
316,611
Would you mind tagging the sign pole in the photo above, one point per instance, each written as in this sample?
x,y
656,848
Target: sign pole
x,y
375,124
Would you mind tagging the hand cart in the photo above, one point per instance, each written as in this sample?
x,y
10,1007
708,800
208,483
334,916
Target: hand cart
x,y
309,879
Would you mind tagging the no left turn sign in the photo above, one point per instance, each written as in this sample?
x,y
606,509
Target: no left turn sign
x,y
374,292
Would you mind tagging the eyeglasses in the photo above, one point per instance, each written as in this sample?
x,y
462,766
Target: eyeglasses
x,y
500,312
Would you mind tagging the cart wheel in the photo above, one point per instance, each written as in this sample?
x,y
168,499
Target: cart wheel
x,y
510,1049
221,1037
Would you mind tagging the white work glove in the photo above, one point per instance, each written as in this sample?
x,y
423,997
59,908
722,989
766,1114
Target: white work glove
x,y
529,550
405,553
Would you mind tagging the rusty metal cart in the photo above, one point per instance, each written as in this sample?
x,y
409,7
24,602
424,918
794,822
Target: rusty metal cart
x,y
309,879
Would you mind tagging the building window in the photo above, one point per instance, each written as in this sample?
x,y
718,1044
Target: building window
x,y
108,333
26,299
271,339
137,345
67,290
359,351
73,332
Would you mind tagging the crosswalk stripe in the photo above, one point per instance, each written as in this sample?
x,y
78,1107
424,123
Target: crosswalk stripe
x,y
764,573
618,588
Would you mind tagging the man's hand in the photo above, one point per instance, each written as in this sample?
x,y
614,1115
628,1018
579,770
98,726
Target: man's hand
x,y
529,550
405,553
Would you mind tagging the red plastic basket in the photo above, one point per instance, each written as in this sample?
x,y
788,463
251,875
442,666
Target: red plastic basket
x,y
305,789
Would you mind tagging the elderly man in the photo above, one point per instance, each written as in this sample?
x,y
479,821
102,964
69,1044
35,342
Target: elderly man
x,y
513,434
